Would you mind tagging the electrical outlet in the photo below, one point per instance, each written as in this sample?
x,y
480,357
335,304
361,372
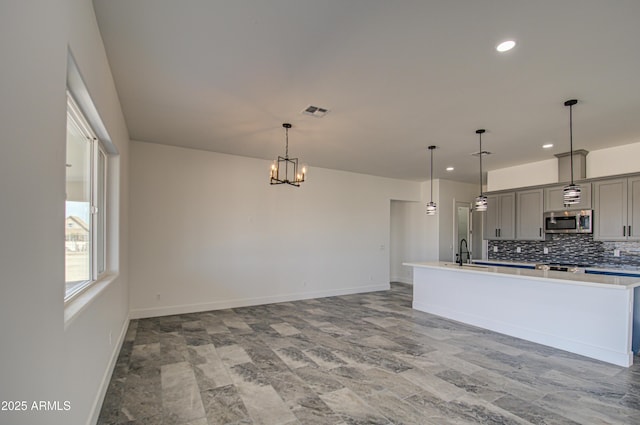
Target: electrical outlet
x,y
518,250
545,250
616,252
495,249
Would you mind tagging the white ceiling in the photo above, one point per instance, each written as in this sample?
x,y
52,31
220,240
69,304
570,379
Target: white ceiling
x,y
397,76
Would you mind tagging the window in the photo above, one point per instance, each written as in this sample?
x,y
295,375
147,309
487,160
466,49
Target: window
x,y
85,205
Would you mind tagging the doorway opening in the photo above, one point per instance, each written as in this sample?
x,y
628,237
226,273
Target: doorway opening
x,y
462,231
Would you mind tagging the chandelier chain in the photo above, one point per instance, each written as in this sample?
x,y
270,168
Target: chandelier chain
x,y
431,174
286,149
480,164
571,138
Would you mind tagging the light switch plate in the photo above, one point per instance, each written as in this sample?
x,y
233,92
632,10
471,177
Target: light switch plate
x,y
616,252
495,249
518,250
545,250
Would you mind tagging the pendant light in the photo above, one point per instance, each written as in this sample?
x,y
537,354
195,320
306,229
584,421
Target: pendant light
x,y
571,192
431,206
285,169
481,201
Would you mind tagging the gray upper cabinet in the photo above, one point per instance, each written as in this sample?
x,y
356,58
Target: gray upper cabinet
x,y
491,218
633,221
617,209
518,215
500,216
529,215
553,198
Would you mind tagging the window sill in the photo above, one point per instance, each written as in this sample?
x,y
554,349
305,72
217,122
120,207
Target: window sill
x,y
76,305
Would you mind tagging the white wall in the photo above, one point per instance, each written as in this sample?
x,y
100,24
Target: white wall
x,y
448,193
615,160
600,163
417,237
413,238
40,359
532,174
208,231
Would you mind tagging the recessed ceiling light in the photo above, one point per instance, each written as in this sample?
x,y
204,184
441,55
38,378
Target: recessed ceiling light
x,y
450,168
547,145
505,46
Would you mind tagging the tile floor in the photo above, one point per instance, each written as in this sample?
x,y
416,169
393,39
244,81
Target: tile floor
x,y
356,359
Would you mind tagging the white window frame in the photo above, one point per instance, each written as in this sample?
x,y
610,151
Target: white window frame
x,y
100,223
97,227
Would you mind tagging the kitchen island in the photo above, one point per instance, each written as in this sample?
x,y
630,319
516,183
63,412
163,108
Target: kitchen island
x,y
587,314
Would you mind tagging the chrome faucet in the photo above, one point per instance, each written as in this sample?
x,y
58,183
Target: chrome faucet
x,y
466,251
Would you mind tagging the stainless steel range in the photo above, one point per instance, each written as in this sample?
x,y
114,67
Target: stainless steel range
x,y
562,267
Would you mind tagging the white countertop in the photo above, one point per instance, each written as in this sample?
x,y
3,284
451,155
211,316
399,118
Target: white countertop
x,y
626,270
586,279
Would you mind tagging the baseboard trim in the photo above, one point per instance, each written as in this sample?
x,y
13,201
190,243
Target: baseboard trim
x,y
246,302
106,378
401,279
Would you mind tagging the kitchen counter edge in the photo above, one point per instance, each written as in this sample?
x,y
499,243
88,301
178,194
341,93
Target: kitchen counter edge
x,y
583,279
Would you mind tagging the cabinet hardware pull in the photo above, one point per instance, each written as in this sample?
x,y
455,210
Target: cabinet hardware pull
x,y
629,232
540,231
624,230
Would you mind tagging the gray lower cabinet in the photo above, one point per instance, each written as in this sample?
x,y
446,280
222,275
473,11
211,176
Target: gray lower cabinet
x,y
529,219
617,209
500,216
554,201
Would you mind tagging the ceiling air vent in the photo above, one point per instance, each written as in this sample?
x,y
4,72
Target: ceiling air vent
x,y
483,153
315,111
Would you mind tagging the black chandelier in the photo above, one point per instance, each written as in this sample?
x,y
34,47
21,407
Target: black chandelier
x,y
431,206
285,169
481,201
571,192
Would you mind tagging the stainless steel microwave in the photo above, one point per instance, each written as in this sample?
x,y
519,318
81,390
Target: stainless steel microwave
x,y
578,221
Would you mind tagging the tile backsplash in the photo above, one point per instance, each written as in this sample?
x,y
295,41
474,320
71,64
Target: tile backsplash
x,y
579,249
